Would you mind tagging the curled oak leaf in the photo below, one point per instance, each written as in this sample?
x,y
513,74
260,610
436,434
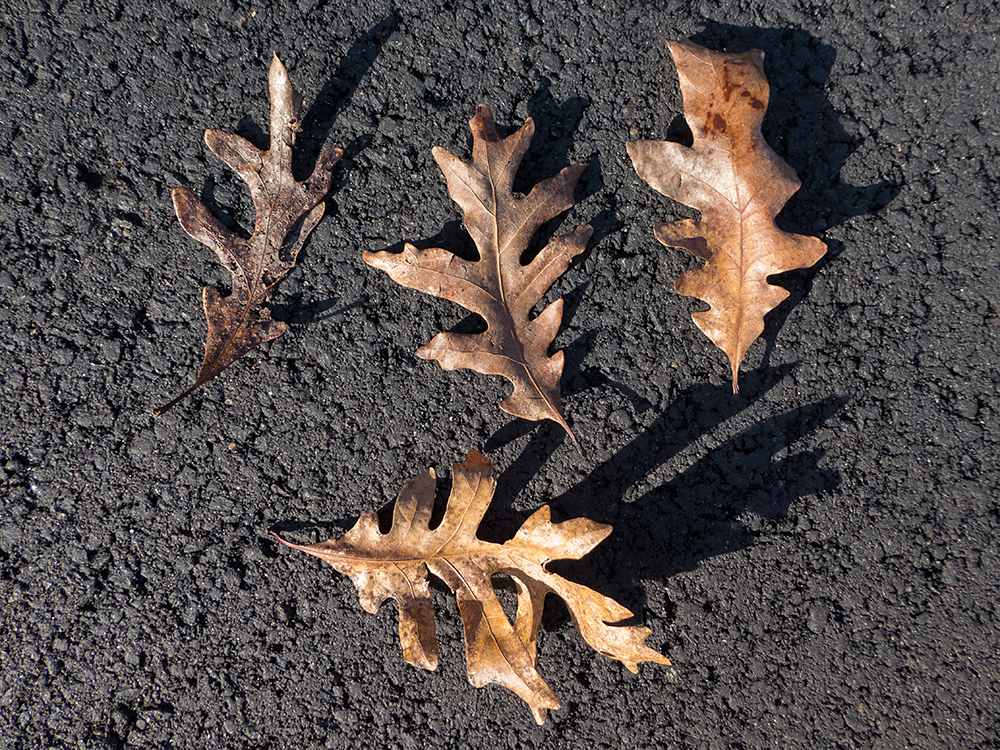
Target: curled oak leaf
x,y
739,184
286,212
396,566
497,286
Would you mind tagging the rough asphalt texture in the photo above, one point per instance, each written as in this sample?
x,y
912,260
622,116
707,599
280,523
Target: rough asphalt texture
x,y
818,556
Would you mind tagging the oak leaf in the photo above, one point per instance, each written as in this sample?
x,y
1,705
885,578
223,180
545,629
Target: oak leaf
x,y
286,212
739,184
396,565
497,286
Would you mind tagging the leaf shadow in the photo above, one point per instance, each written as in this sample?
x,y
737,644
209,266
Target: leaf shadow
x,y
718,505
226,213
296,312
604,222
452,236
555,129
332,100
708,501
516,477
344,168
338,91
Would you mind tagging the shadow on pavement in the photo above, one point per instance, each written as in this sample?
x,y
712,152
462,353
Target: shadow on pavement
x,y
698,514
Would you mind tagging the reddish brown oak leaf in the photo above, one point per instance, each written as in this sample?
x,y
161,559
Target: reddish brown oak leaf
x,y
396,566
739,184
286,212
497,286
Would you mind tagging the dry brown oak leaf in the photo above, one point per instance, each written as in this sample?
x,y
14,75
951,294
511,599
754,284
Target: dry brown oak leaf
x,y
286,212
738,184
396,565
497,286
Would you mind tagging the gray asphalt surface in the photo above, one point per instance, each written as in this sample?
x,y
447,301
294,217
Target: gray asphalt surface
x,y
818,556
